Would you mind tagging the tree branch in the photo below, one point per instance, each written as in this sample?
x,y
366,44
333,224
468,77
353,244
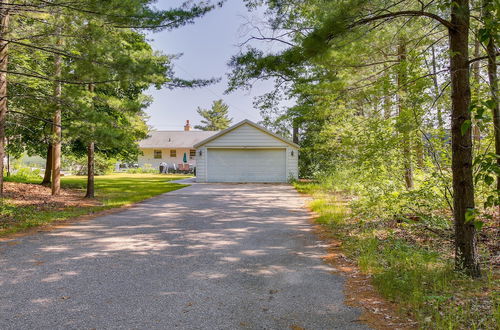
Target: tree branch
x,y
403,14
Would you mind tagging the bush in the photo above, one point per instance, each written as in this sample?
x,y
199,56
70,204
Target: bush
x,y
146,169
142,171
102,165
24,175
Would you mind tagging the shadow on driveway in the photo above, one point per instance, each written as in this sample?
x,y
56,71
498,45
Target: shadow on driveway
x,y
209,256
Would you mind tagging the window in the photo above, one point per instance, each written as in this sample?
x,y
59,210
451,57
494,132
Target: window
x,y
192,153
173,153
157,154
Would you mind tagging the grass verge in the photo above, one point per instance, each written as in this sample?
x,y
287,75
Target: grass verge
x,y
111,191
409,272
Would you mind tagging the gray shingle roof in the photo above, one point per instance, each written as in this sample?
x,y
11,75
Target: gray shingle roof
x,y
175,139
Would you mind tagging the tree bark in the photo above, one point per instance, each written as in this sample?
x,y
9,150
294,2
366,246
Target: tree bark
x,y
90,171
4,59
90,160
466,256
56,127
48,167
404,129
493,82
476,73
295,135
436,90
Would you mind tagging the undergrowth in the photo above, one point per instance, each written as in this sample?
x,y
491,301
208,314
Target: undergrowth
x,y
408,270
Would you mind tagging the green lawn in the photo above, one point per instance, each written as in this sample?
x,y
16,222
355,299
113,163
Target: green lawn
x,y
111,191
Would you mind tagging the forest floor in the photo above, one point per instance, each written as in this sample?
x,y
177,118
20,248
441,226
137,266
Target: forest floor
x,y
407,267
29,205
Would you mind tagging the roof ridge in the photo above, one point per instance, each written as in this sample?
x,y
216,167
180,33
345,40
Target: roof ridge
x,y
180,131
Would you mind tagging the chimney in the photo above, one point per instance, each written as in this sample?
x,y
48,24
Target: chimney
x,y
187,127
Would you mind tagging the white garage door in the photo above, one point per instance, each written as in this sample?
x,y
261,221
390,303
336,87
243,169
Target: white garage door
x,y
246,165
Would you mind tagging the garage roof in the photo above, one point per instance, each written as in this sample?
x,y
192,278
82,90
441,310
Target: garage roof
x,y
175,139
241,123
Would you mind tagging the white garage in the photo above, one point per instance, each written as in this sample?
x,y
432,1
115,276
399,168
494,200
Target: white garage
x,y
246,152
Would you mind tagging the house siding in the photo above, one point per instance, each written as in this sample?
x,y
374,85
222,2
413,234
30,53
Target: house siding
x,y
147,157
201,161
246,136
292,163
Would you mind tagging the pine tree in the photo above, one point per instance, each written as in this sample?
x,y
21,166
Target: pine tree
x,y
216,118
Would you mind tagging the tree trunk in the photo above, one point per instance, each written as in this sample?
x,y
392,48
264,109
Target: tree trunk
x,y
493,82
90,160
295,135
4,59
436,90
404,127
90,171
56,127
466,256
476,73
419,150
48,167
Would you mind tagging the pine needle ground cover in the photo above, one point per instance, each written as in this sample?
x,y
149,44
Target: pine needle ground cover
x,y
411,264
29,205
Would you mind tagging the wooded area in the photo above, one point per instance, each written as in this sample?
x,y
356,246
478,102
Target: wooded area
x,y
396,102
73,76
395,108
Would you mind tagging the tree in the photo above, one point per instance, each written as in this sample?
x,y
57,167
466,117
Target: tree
x,y
216,118
314,32
4,58
57,25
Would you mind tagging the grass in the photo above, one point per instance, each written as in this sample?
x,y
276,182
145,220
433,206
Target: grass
x,y
419,279
111,191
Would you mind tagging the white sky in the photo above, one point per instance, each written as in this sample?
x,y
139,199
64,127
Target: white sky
x,y
207,46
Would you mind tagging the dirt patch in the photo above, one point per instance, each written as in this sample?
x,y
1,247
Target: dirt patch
x,y
39,197
377,312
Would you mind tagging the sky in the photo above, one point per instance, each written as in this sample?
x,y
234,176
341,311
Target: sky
x,y
207,45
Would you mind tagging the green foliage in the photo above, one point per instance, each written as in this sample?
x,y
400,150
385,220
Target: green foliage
x,y
24,175
215,118
421,279
103,165
146,168
107,65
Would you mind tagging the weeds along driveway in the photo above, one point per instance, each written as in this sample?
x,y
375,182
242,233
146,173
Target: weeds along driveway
x,y
209,256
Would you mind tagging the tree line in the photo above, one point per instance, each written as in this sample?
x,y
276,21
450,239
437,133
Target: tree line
x,y
395,100
73,77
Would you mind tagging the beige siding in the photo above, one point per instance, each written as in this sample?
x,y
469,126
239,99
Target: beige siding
x,y
246,136
244,142
292,163
148,157
201,167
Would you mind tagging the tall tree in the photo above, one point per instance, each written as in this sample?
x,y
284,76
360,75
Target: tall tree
x,y
489,35
4,58
322,32
216,118
114,14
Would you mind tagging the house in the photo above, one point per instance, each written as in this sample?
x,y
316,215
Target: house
x,y
246,152
170,146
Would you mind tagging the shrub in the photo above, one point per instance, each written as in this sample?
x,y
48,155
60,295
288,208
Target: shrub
x,y
102,165
146,169
24,175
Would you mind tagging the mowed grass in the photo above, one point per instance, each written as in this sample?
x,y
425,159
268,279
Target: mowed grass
x,y
111,191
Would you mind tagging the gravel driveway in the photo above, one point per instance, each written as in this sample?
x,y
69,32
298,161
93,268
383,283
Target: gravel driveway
x,y
209,256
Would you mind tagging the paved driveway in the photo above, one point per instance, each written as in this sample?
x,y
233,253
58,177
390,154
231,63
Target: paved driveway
x,y
210,256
